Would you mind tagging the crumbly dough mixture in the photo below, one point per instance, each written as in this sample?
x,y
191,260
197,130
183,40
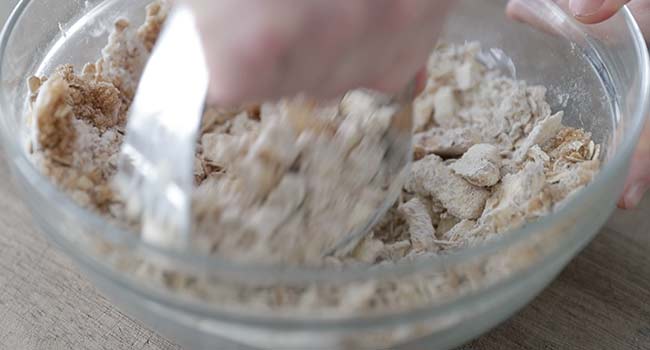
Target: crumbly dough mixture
x,y
287,182
283,182
490,156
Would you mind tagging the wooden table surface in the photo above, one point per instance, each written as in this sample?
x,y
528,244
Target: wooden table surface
x,y
600,301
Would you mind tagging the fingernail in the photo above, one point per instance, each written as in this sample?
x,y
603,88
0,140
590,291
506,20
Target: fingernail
x,y
584,8
634,195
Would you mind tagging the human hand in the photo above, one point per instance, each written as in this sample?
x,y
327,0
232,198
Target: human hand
x,y
260,50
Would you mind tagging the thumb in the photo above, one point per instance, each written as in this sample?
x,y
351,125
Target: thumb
x,y
594,11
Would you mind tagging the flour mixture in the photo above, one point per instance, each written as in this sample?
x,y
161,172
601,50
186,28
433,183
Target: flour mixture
x,y
490,155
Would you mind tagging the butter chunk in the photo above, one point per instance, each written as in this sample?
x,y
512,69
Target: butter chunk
x,y
421,230
446,142
445,107
468,75
518,196
541,133
54,132
431,177
480,165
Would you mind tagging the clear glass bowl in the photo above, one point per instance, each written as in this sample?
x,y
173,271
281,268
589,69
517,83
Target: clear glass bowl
x,y
597,74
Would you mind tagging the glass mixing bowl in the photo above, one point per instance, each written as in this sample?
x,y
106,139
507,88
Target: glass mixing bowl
x,y
597,74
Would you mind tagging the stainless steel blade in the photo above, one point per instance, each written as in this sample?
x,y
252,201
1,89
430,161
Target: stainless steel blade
x,y
156,162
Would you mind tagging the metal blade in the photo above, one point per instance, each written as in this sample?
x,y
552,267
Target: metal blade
x,y
156,162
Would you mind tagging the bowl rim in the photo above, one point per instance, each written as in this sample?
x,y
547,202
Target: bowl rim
x,y
306,274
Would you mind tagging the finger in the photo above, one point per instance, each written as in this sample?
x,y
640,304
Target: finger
x,y
348,72
361,63
245,62
421,80
638,180
594,11
395,78
230,83
322,50
409,54
633,195
522,11
525,11
406,65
